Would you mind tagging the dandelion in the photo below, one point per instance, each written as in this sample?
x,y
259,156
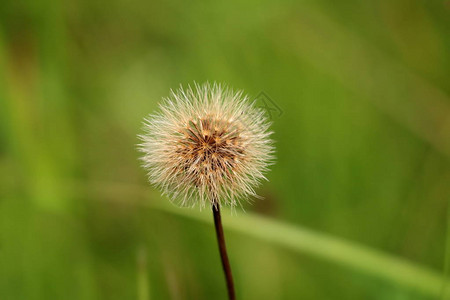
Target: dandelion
x,y
207,146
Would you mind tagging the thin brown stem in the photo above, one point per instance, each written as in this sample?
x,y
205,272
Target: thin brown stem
x,y
223,251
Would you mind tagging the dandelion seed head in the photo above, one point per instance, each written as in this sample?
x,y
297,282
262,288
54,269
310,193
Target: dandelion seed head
x,y
207,145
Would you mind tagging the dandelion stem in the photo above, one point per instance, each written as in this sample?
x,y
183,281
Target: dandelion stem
x,y
223,251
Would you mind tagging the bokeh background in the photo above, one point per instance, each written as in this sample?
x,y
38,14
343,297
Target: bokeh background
x,y
361,93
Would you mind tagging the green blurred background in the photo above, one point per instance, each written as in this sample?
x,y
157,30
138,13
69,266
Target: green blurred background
x,y
363,146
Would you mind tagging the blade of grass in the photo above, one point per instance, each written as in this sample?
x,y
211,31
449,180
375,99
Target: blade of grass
x,y
143,287
318,245
363,259
444,291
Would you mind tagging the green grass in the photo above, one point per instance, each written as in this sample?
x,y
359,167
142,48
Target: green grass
x,y
355,207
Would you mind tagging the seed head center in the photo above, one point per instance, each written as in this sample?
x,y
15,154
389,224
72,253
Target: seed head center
x,y
210,145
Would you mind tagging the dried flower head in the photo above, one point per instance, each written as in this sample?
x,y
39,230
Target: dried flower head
x,y
207,145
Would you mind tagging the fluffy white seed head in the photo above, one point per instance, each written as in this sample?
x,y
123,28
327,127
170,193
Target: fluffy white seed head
x,y
207,145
